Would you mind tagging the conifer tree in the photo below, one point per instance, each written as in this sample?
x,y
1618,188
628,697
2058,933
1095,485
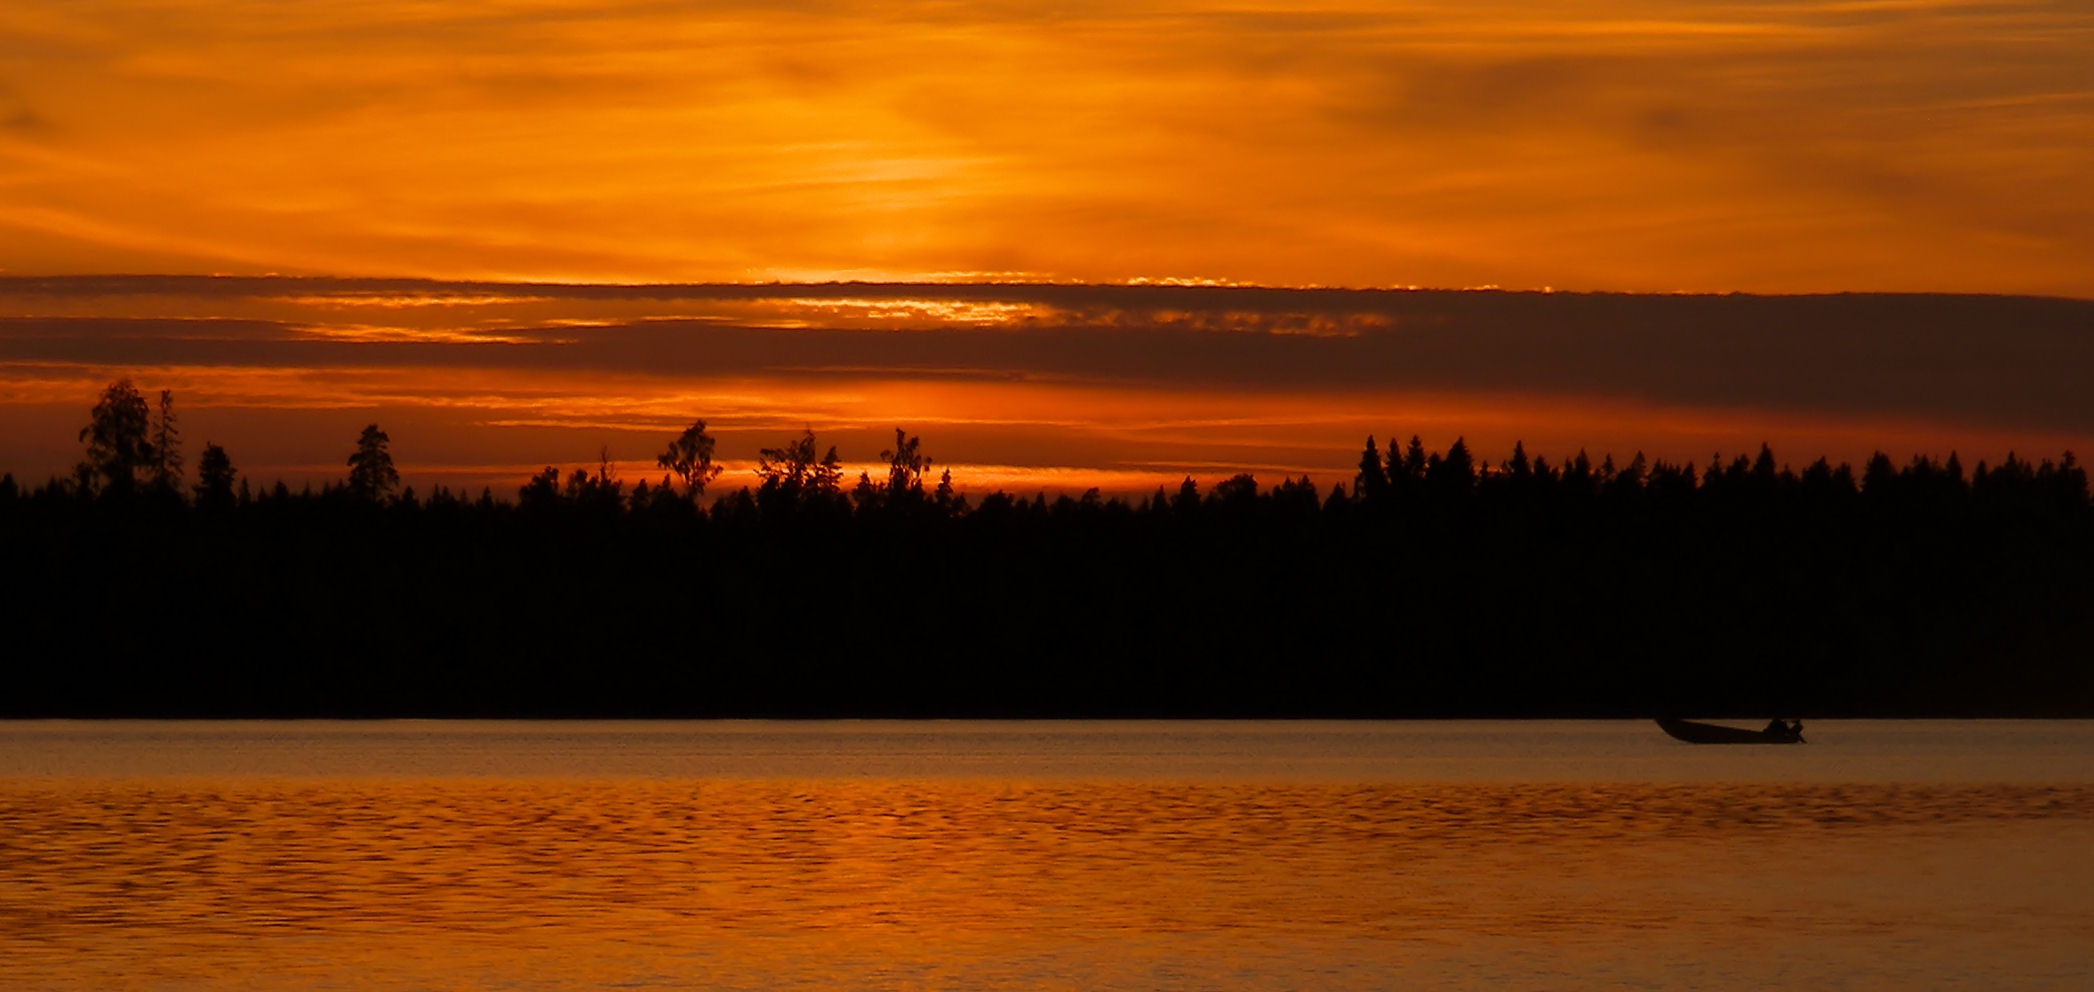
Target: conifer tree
x,y
1373,479
214,477
371,473
166,447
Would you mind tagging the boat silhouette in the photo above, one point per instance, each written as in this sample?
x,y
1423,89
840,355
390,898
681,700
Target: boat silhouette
x,y
1696,732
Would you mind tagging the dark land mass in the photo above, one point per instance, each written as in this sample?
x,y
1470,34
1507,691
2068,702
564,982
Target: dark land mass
x,y
1434,587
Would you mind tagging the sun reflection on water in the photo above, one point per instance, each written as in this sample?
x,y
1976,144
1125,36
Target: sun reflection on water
x,y
992,856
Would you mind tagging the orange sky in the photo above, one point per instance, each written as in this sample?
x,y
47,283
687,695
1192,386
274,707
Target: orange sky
x,y
495,147
1029,386
1642,146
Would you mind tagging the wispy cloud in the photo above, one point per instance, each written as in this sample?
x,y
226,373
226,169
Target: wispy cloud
x,y
1075,377
1647,145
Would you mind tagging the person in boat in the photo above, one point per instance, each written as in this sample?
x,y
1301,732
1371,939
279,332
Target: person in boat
x,y
1786,729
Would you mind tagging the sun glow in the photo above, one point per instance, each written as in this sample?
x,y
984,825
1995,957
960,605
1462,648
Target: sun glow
x,y
829,312
1041,386
1657,145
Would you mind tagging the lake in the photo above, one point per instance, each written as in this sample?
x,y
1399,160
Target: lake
x,y
987,856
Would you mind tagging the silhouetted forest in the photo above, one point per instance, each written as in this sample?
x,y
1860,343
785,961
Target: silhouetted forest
x,y
1436,584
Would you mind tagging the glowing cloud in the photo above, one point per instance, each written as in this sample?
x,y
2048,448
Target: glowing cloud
x,y
1039,385
1646,145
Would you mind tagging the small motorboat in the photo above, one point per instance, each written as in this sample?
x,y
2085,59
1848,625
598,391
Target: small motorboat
x,y
1696,732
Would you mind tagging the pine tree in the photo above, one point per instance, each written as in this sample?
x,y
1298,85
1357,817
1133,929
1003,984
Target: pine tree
x,y
167,447
214,477
371,474
1373,478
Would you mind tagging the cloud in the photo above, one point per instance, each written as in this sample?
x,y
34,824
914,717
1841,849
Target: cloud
x,y
2002,363
1652,145
25,121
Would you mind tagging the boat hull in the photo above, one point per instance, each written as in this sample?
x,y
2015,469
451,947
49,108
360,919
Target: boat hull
x,y
1696,732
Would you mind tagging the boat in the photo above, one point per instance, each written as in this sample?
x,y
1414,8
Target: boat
x,y
1696,732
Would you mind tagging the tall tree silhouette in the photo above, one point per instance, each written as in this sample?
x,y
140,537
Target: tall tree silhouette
x,y
1880,476
1187,502
792,474
786,467
602,493
371,473
2067,482
905,466
1455,473
1239,492
1519,468
825,483
214,477
118,448
1764,470
167,448
690,456
1373,479
1414,464
542,492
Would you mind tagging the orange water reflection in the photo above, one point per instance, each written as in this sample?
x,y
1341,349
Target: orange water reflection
x,y
1013,855
948,884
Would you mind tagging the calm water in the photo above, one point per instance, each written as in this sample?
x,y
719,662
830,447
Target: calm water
x,y
432,855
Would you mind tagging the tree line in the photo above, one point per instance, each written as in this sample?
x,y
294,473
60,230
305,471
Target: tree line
x,y
1435,583
133,452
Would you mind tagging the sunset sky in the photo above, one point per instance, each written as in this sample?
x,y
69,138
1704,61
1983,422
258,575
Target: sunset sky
x,y
1903,146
